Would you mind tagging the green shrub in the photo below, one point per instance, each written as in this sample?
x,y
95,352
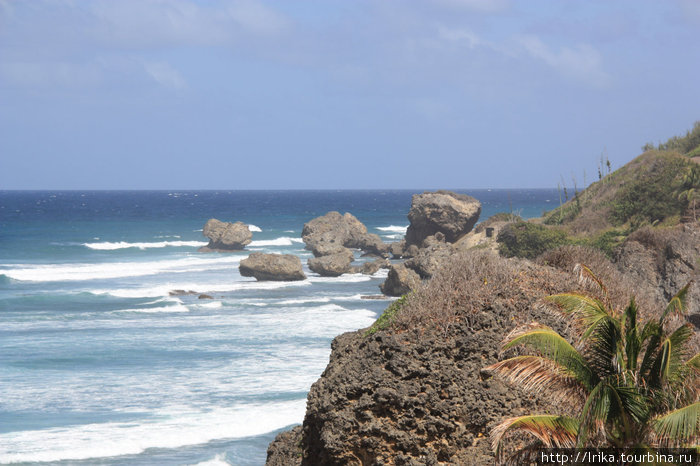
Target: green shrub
x,y
652,196
387,316
607,241
529,240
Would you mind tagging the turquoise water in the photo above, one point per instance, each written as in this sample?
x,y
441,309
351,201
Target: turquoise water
x,y
99,364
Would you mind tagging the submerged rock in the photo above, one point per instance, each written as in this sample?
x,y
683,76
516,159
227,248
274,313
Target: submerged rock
x,y
273,267
226,236
451,214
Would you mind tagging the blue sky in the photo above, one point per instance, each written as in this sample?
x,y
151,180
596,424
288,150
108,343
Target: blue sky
x,y
248,94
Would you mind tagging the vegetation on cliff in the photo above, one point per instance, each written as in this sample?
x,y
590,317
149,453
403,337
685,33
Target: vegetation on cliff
x,y
659,188
632,385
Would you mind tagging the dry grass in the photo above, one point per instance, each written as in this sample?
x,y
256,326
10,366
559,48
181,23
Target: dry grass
x,y
620,289
471,282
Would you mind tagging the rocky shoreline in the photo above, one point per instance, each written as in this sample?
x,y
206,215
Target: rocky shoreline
x,y
414,392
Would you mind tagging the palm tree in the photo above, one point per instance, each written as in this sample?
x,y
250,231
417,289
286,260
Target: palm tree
x,y
690,185
630,385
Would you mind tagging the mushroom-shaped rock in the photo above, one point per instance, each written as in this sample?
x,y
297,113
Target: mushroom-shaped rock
x,y
451,214
400,281
327,234
273,267
225,236
332,265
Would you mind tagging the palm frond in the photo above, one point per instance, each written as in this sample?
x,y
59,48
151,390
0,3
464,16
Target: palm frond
x,y
587,310
668,360
680,427
586,275
633,341
604,351
677,304
552,430
552,346
694,362
537,374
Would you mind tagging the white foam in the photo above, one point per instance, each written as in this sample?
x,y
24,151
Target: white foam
x,y
73,272
154,310
164,430
394,229
345,278
283,241
304,301
218,460
111,246
204,287
254,228
210,305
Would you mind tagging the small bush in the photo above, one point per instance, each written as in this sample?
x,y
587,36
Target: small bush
x,y
529,240
387,317
652,196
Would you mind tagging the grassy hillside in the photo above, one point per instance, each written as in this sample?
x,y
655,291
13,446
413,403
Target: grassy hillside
x,y
659,188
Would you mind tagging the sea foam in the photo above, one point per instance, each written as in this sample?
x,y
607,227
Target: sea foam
x,y
164,430
394,229
282,241
73,272
111,246
254,228
199,287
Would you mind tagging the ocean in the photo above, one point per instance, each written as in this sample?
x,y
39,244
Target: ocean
x,y
101,364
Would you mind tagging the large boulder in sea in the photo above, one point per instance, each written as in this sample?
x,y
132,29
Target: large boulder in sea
x,y
400,281
226,236
330,233
451,214
332,265
273,267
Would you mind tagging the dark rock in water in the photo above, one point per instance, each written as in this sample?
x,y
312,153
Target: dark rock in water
x,y
410,251
285,449
428,260
400,281
329,233
373,244
273,267
181,292
446,212
370,268
225,236
327,248
205,296
396,249
332,265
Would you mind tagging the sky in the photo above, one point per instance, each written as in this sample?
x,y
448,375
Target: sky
x,y
338,94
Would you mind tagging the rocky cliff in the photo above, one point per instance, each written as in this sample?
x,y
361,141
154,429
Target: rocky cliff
x,y
414,392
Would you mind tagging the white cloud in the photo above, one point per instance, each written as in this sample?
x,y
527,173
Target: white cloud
x,y
165,75
582,62
50,74
459,36
476,5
